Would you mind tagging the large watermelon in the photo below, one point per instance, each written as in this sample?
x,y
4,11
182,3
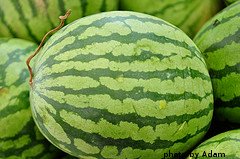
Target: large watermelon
x,y
19,136
188,15
31,19
225,146
219,41
121,85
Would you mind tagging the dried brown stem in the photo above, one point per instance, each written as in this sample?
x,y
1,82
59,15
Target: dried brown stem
x,y
62,20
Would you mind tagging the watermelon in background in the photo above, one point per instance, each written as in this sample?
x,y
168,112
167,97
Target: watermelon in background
x,y
230,1
19,136
188,15
121,85
219,41
224,145
31,19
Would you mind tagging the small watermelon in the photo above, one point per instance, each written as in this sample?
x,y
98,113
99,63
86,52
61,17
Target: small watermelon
x,y
121,85
31,19
188,15
225,146
219,41
19,136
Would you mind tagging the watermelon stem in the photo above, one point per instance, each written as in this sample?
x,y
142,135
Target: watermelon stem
x,y
62,20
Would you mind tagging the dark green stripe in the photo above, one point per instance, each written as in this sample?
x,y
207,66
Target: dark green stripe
x,y
190,13
232,6
99,141
133,37
136,93
76,132
143,56
84,4
33,8
28,129
22,78
170,6
23,19
100,22
218,74
219,141
233,103
96,115
15,56
168,74
20,104
3,19
61,6
47,14
213,25
234,37
103,6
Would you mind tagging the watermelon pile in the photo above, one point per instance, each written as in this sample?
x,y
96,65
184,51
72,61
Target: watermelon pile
x,y
19,136
188,15
29,19
121,80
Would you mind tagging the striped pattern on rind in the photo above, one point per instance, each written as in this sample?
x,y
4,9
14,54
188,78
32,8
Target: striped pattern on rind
x,y
224,145
19,136
121,85
219,40
29,19
185,14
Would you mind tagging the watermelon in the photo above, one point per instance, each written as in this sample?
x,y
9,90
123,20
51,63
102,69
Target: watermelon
x,y
19,136
219,41
121,85
230,1
185,14
224,145
31,19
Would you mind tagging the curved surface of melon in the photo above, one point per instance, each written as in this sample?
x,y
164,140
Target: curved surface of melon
x,y
19,136
121,85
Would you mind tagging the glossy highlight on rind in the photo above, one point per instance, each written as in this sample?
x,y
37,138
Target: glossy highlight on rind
x,y
32,19
19,136
121,85
219,41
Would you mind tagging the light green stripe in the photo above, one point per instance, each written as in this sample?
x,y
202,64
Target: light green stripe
x,y
51,124
10,129
15,144
9,9
33,151
27,11
228,87
85,147
131,49
185,106
177,86
224,143
206,40
220,58
160,29
125,129
137,66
